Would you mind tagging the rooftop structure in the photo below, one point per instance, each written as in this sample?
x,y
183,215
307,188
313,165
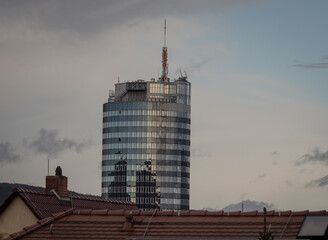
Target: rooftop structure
x,y
136,224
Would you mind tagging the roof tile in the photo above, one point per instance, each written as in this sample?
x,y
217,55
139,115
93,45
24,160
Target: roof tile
x,y
254,213
42,221
116,212
163,213
300,213
99,212
270,213
84,211
236,213
285,213
136,212
183,213
218,213
322,212
149,213
198,213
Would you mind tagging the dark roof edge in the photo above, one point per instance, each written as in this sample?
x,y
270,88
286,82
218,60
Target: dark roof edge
x,y
100,199
24,190
78,196
39,224
8,200
17,193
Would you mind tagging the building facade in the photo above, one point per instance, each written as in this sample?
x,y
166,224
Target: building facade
x,y
146,143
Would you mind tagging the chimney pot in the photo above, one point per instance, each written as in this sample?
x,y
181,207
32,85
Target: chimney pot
x,y
59,171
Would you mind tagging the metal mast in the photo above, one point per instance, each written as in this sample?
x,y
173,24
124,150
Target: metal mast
x,y
165,70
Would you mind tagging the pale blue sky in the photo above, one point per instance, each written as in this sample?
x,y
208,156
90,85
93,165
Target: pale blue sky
x,y
259,80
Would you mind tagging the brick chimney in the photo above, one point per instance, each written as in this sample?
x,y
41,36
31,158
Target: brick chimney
x,y
57,183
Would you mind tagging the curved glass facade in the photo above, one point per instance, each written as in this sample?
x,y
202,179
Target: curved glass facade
x,y
146,145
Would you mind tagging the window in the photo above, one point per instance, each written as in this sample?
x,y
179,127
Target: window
x,y
314,226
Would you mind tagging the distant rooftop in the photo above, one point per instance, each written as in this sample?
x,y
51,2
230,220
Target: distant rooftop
x,y
44,204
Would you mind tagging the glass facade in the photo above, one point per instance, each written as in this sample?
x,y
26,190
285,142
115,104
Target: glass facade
x,y
146,144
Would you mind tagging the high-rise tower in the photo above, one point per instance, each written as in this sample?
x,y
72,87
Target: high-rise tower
x,y
146,142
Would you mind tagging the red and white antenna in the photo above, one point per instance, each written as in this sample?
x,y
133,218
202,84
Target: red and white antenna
x,y
165,70
165,33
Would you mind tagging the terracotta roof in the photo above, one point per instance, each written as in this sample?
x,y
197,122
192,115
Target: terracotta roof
x,y
44,204
123,224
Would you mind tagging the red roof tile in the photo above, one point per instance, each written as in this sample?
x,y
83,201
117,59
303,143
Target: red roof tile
x,y
44,204
123,224
317,213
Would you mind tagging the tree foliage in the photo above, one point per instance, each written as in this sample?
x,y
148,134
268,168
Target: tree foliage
x,y
265,235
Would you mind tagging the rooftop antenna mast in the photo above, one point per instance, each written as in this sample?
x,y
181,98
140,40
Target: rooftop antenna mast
x,y
48,166
164,58
165,33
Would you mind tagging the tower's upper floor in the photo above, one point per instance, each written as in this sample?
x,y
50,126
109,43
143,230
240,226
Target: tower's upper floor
x,y
177,91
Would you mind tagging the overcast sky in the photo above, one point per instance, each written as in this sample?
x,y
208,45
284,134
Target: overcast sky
x,y
259,91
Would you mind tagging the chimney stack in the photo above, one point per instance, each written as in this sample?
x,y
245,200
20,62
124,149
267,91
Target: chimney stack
x,y
57,183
